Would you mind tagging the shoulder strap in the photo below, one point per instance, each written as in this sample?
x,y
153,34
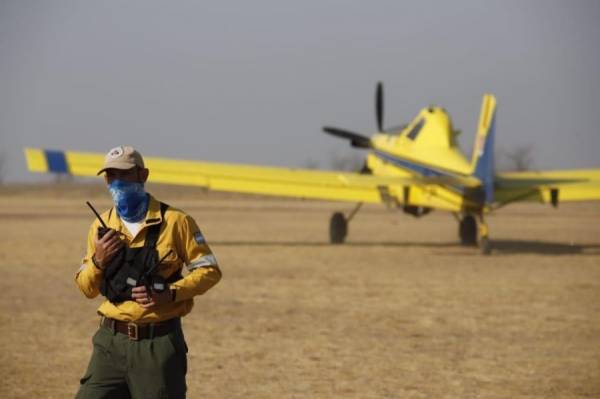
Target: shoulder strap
x,y
154,230
163,209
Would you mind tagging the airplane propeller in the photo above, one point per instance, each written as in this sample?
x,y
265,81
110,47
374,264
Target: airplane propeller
x,y
356,140
379,106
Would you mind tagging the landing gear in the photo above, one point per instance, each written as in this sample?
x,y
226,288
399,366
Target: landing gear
x,y
467,230
485,246
338,228
338,225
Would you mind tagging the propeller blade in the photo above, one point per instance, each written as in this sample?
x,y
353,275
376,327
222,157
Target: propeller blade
x,y
379,106
356,140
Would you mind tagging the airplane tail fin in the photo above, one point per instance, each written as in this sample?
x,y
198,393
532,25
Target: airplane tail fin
x,y
482,160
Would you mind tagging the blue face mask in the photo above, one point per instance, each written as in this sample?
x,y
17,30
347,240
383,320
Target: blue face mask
x,y
131,201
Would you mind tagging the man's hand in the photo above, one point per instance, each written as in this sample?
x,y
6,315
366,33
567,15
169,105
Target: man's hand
x,y
148,300
107,247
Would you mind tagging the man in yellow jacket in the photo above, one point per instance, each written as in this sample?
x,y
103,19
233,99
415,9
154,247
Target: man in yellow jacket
x,y
139,349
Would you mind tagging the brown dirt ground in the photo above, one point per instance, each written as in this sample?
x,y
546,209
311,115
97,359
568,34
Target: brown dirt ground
x,y
401,311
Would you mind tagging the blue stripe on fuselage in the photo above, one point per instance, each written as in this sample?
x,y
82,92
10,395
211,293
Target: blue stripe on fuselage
x,y
422,170
57,163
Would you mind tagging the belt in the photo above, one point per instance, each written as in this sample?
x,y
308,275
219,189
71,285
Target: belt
x,y
135,332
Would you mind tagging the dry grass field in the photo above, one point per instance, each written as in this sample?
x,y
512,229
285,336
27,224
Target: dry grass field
x,y
400,311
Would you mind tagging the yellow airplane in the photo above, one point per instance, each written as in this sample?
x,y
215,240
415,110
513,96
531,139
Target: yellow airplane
x,y
415,168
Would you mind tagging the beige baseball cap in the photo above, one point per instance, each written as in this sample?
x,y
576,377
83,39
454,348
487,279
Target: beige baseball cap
x,y
122,157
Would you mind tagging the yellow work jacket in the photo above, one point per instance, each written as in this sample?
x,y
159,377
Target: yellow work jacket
x,y
179,234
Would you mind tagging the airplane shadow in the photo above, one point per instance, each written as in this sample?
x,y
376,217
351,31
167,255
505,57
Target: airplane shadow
x,y
327,244
499,247
543,248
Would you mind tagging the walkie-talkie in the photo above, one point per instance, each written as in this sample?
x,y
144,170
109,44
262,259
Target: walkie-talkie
x,y
102,230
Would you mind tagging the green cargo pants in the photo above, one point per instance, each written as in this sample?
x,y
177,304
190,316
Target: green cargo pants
x,y
144,369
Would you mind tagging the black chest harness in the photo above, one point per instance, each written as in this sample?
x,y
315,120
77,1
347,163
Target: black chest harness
x,y
134,267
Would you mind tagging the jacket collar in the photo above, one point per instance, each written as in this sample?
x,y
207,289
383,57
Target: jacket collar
x,y
153,215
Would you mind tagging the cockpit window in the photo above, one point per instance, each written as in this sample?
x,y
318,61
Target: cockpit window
x,y
414,132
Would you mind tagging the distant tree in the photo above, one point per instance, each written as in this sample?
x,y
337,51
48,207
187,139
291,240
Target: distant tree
x,y
348,161
518,158
63,178
310,164
2,170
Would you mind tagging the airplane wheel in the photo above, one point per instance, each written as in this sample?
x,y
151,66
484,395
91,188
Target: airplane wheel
x,y
485,246
467,230
338,228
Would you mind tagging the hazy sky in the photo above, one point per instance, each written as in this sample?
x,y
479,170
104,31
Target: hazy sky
x,y
254,81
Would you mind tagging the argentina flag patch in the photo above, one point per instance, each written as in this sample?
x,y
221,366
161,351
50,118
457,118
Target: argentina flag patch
x,y
199,238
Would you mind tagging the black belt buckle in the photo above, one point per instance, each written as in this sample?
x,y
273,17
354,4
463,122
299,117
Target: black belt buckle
x,y
132,331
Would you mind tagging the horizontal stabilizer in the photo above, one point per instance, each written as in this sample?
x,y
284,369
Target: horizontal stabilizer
x,y
548,186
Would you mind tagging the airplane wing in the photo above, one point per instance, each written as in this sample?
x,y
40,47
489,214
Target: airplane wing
x,y
300,183
548,186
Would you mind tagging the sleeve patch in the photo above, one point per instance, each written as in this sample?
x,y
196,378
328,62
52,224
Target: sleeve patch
x,y
206,260
199,238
